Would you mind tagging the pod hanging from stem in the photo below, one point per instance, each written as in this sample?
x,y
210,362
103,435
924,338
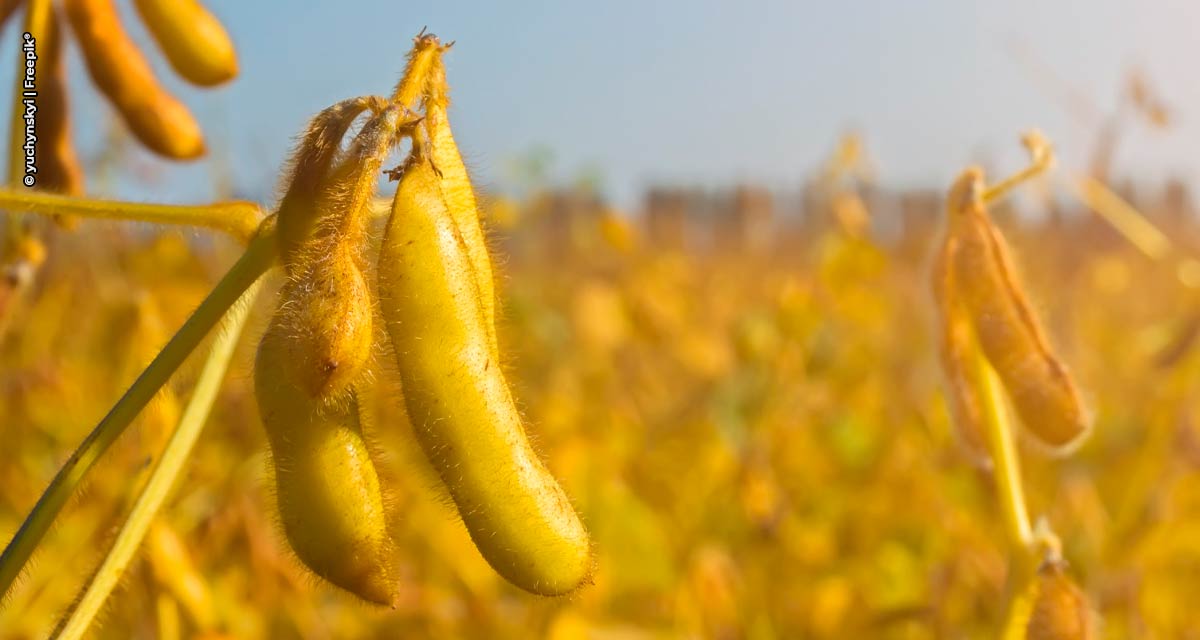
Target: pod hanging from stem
x,y
985,279
459,401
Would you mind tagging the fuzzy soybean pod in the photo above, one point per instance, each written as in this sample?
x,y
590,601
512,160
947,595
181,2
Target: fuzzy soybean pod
x,y
193,40
59,170
120,71
327,489
310,166
328,309
458,192
459,402
956,342
1039,384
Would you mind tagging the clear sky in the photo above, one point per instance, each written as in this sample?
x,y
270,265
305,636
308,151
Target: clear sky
x,y
697,91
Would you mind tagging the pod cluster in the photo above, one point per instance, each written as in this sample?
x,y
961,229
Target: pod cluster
x,y
436,300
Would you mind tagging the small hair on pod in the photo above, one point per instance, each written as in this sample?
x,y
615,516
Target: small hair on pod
x,y
192,39
412,84
122,74
315,351
459,403
457,189
310,164
325,305
330,502
956,342
1039,384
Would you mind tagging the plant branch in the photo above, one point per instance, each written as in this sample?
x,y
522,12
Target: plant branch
x,y
259,256
165,472
1006,465
1123,217
237,218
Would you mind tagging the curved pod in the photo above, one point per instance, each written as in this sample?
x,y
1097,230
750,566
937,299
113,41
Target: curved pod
x,y
459,401
458,192
1009,333
956,342
330,502
122,74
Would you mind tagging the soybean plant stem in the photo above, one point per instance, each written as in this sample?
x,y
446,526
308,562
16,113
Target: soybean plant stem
x,y
1124,217
165,472
1006,466
259,256
1041,159
237,218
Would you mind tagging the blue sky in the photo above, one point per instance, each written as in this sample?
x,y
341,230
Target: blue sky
x,y
697,92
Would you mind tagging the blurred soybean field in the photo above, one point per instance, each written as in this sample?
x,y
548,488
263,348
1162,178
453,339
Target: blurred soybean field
x,y
738,387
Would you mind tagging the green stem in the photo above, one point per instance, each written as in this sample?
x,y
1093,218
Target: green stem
x,y
164,474
259,256
237,218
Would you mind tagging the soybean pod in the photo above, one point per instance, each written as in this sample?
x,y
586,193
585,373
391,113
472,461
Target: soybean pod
x,y
192,39
122,74
459,402
327,489
1009,333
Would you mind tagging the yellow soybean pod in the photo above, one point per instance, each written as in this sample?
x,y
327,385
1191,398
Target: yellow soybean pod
x,y
326,314
459,402
192,39
957,342
1009,333
330,502
162,123
459,194
310,165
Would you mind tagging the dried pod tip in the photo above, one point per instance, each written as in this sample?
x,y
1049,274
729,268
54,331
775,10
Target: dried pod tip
x,y
426,47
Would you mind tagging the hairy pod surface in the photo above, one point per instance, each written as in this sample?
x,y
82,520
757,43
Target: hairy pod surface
x,y
330,502
58,165
956,344
311,163
459,402
1038,383
412,85
458,192
326,304
326,312
192,39
120,71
